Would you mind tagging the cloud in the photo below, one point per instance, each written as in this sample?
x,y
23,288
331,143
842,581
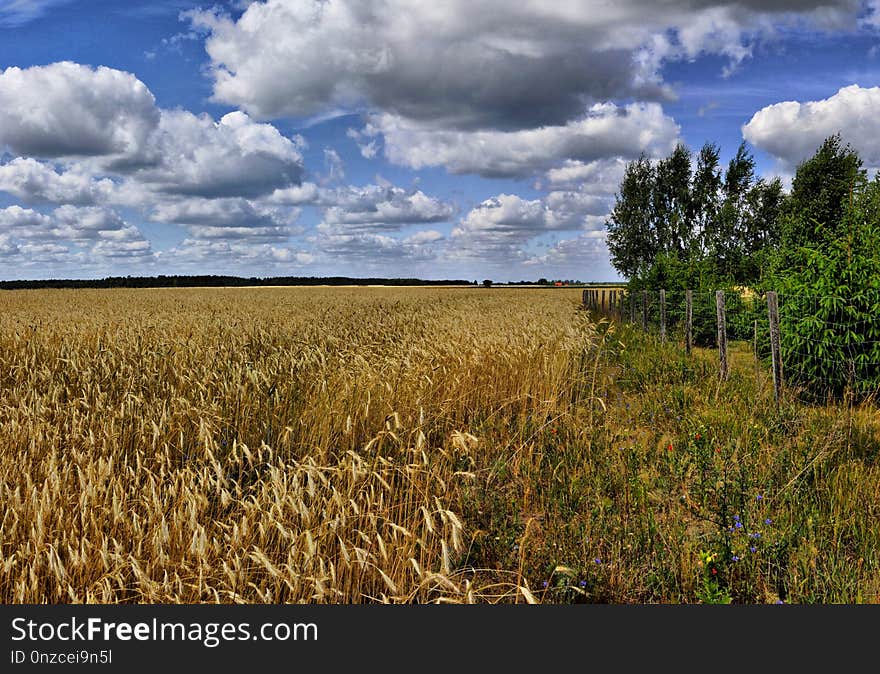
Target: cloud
x,y
15,13
194,156
8,247
232,212
205,256
24,223
71,110
385,208
466,65
38,182
499,227
295,195
99,231
334,166
792,131
605,131
367,145
374,251
105,122
601,176
584,257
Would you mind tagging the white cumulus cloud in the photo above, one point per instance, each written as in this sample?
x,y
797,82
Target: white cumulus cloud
x,y
607,130
71,110
793,130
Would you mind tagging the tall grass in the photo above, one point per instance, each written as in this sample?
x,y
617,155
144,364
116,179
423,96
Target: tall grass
x,y
408,445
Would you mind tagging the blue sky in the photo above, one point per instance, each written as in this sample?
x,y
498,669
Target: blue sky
x,y
391,138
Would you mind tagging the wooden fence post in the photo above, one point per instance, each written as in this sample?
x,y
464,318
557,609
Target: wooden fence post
x,y
645,310
584,298
722,333
776,355
689,321
632,307
603,300
662,316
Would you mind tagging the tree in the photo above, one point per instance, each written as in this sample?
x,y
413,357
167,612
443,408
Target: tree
x,y
829,328
726,231
671,196
821,190
487,283
673,226
632,240
760,235
705,197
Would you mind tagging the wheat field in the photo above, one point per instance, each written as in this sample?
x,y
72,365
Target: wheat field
x,y
263,445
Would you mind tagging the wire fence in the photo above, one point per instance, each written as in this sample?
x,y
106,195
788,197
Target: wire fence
x,y
822,346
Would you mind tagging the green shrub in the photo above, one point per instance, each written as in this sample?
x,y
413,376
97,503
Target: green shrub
x,y
830,306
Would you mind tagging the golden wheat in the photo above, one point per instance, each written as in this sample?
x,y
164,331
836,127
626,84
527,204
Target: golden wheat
x,y
264,445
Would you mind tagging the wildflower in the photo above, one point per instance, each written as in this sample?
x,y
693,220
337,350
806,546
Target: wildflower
x,y
753,549
583,583
718,450
553,431
697,436
736,558
714,571
768,521
759,497
670,447
544,584
756,534
598,560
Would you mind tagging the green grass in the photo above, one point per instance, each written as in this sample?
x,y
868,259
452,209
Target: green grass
x,y
669,486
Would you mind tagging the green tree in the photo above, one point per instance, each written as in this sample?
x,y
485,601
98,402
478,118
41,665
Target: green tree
x,y
821,190
671,226
705,196
830,300
671,196
632,240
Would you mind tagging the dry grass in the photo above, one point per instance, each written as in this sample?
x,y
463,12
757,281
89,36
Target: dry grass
x,y
268,445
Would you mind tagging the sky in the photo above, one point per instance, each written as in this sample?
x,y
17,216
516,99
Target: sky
x,y
438,139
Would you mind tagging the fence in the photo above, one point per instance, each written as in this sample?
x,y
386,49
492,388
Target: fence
x,y
835,348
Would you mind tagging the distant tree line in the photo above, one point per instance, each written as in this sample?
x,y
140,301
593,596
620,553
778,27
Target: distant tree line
x,y
163,281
